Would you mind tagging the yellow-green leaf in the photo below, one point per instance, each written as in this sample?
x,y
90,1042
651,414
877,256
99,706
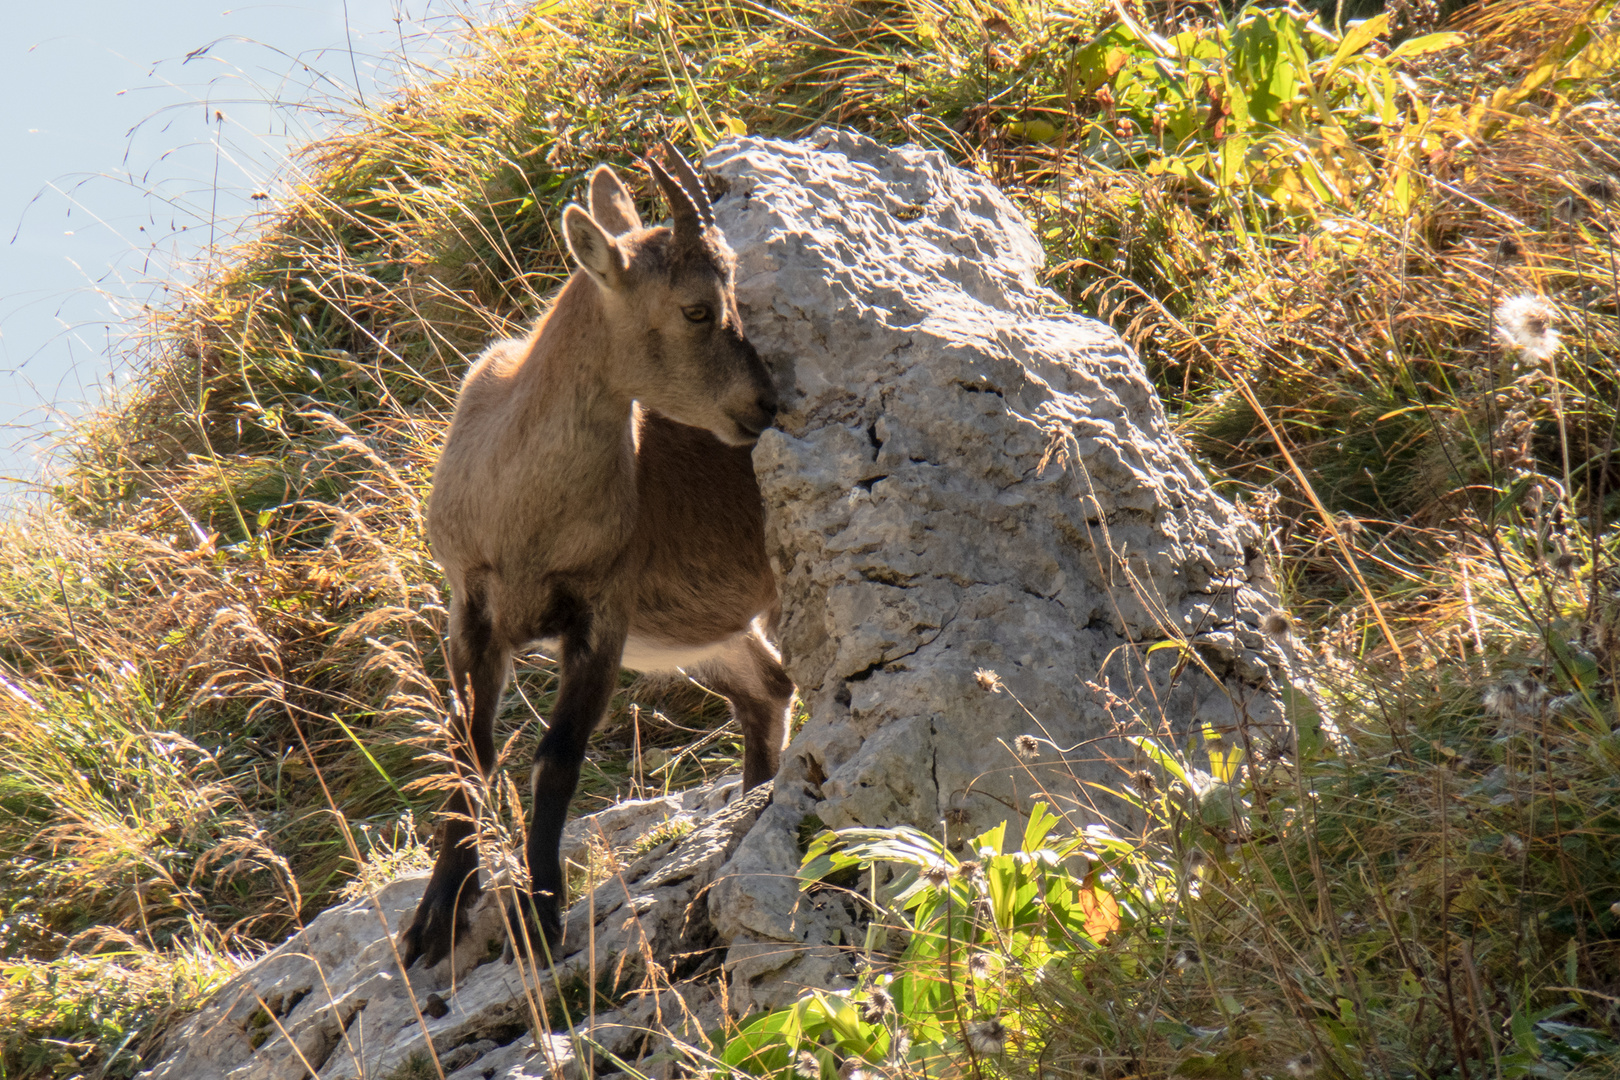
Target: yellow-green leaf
x,y
1358,37
1426,44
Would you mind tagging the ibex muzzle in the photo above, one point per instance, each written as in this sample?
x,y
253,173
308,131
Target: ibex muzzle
x,y
596,494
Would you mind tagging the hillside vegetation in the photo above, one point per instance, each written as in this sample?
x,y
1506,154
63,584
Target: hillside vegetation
x,y
1371,267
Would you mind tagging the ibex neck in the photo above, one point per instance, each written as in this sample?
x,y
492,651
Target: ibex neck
x,y
570,367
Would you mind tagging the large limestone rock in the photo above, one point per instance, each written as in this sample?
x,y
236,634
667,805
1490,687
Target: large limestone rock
x,y
332,1003
966,477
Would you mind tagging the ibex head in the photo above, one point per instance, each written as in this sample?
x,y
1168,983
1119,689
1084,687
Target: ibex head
x,y
678,345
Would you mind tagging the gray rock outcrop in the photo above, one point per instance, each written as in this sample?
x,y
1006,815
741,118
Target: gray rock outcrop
x,y
967,479
331,1001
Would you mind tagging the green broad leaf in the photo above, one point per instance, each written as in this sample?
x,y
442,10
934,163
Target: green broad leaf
x,y
991,842
1001,878
833,851
1524,1034
765,1045
1040,825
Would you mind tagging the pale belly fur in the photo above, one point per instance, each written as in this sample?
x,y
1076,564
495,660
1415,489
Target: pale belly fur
x,y
641,654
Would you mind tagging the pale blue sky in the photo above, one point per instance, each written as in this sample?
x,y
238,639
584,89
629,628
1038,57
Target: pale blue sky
x,y
110,148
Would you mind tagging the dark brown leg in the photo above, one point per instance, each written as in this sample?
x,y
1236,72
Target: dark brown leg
x,y
751,677
479,668
587,680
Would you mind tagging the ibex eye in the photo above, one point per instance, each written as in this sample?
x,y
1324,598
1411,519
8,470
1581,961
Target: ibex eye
x,y
696,313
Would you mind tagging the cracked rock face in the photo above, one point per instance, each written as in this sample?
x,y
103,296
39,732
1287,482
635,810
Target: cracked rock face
x,y
331,1002
965,477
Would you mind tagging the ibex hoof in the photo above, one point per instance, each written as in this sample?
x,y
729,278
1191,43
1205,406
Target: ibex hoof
x,y
438,924
534,928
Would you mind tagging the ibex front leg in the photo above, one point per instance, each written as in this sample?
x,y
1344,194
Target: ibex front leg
x,y
479,667
589,675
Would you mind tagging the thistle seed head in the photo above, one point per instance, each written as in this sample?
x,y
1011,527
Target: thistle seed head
x,y
1526,323
988,1037
879,1004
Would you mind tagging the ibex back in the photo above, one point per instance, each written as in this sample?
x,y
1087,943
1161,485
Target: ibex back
x,y
596,494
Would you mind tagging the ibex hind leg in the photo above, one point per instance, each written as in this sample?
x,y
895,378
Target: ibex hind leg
x,y
479,667
749,674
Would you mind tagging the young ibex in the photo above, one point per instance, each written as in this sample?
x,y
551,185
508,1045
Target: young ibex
x,y
596,494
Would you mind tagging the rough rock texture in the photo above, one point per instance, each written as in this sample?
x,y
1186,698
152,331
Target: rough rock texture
x,y
331,1002
965,478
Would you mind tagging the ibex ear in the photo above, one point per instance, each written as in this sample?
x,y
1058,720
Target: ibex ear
x,y
595,251
611,203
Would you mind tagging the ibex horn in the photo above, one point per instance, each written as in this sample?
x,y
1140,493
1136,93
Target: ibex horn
x,y
688,181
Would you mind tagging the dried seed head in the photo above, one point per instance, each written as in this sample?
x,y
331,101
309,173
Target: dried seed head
x,y
1531,693
878,1004
1143,782
1302,1066
981,965
1526,323
988,680
1502,700
969,870
988,1037
851,1070
957,815
936,874
1028,747
1185,958
1569,209
1512,845
1277,624
807,1065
